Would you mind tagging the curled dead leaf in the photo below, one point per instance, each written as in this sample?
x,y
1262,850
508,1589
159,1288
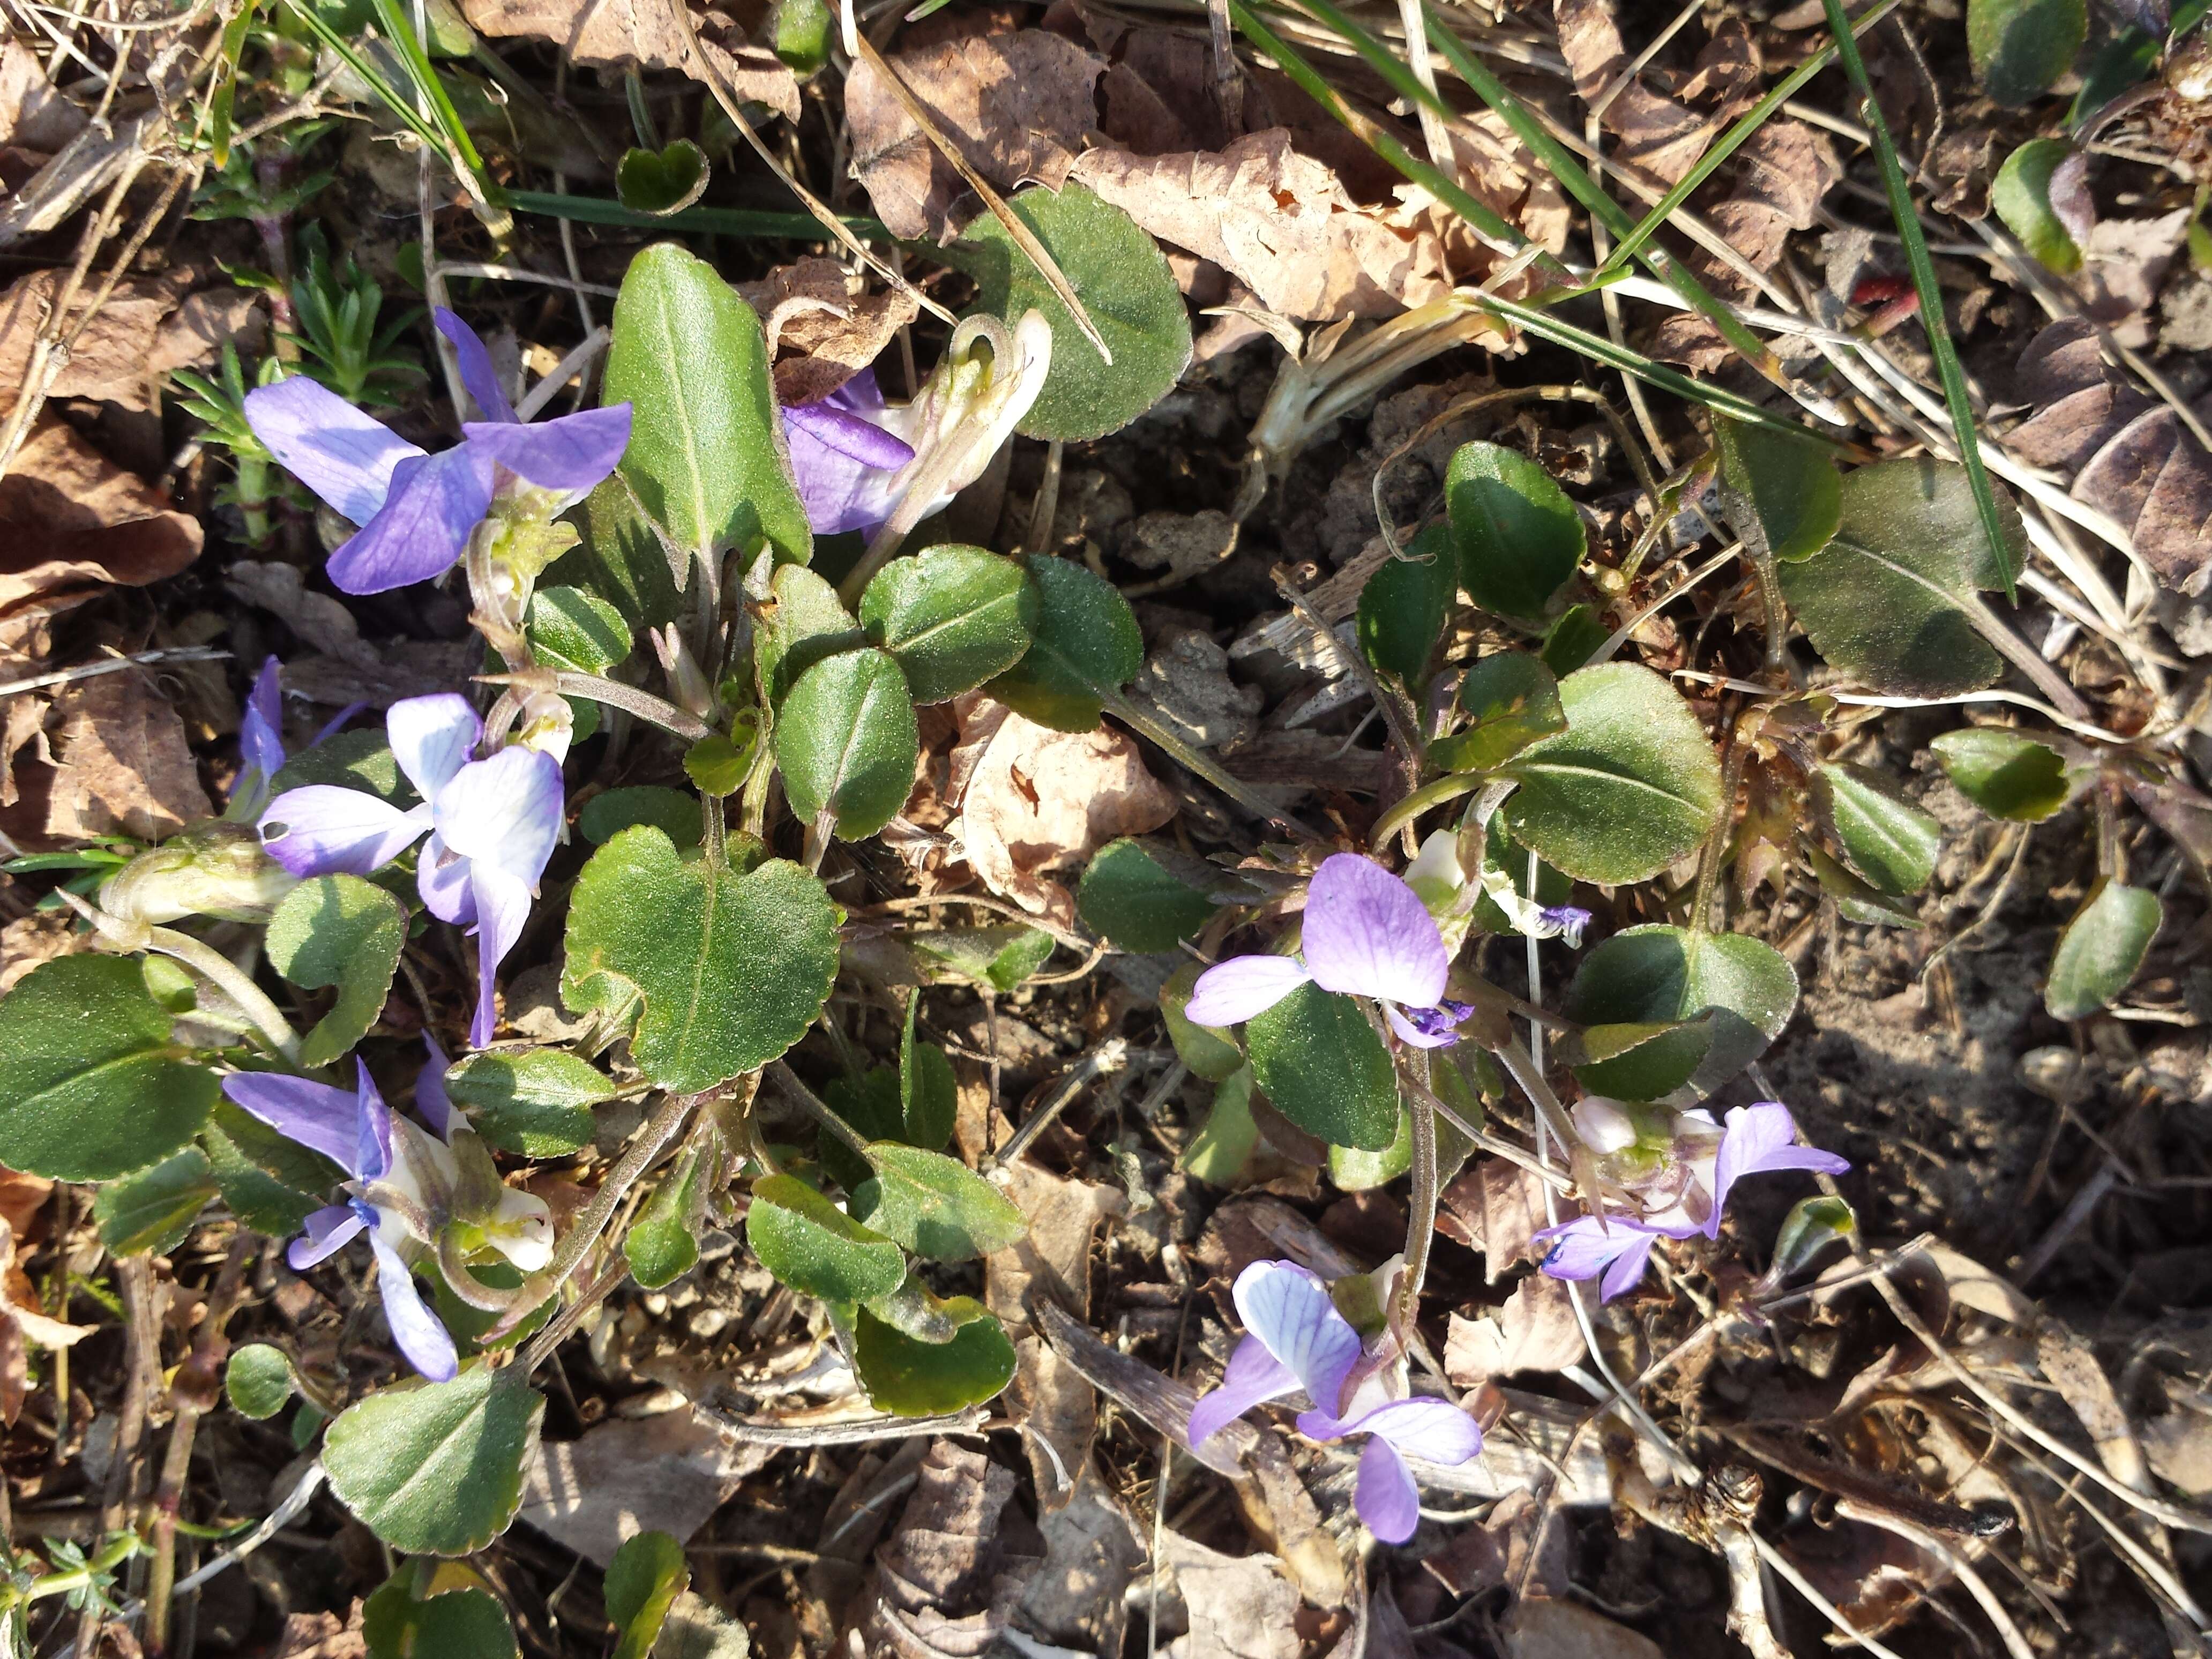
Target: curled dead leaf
x,y
826,323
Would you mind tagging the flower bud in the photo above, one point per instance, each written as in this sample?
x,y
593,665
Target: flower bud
x,y
212,869
1604,1126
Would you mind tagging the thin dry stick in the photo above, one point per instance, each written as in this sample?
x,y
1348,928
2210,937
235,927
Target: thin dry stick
x,y
134,1279
1935,1545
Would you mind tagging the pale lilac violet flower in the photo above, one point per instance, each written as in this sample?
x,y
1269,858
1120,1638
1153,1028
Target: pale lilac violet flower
x,y
260,742
1298,1341
1758,1139
1367,933
843,459
402,1185
492,825
1436,875
416,510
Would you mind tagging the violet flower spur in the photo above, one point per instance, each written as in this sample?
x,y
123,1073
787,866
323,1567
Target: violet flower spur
x,y
1757,1139
492,825
1367,933
416,511
1298,1340
403,1190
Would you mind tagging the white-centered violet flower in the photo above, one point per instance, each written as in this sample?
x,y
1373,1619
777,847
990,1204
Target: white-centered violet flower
x,y
1367,934
1682,1170
859,461
406,1186
416,511
492,825
1299,1341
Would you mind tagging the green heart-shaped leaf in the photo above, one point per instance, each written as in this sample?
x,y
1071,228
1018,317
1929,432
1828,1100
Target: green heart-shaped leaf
x,y
537,1101
1403,606
935,1206
1517,536
1514,701
808,624
1891,843
1126,287
435,1468
1783,495
1662,977
1219,1151
2019,47
2006,774
90,1085
2101,950
258,1380
150,1213
705,459
664,181
951,618
1629,786
1087,646
732,964
912,1378
2022,196
1642,1060
341,930
466,1623
814,1247
1126,895
1895,600
847,742
1323,1067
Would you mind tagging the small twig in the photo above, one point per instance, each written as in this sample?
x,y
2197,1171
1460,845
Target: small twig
x,y
85,671
787,1436
303,1491
1109,1056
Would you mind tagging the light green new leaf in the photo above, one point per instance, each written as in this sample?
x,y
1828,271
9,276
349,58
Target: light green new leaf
x,y
1087,646
808,624
341,930
661,181
150,1213
91,1086
1894,600
847,741
466,1623
732,964
537,1101
258,1380
952,617
1784,496
435,1468
1514,701
1352,1171
662,1244
2006,774
1518,537
1629,786
644,1579
2101,950
1001,957
935,1206
1124,282
814,1247
2022,198
1209,1051
1323,1066
1891,843
705,457
1220,1151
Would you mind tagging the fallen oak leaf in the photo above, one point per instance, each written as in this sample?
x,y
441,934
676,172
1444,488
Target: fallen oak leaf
x,y
73,523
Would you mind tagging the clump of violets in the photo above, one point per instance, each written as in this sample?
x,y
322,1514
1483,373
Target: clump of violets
x,y
1679,1167
1298,1340
410,1192
859,461
492,824
418,511
1366,934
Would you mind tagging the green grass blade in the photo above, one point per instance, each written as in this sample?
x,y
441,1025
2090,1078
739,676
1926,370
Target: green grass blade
x,y
402,108
454,137
1923,282
718,221
1732,141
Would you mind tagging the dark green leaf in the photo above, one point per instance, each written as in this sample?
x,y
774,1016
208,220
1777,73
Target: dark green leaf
x,y
1403,606
808,624
951,617
2101,950
662,1244
435,1468
1573,640
2006,774
1087,646
1512,700
1887,840
1129,897
90,1085
1783,495
537,1101
928,1093
661,182
267,1182
623,558
935,1206
258,1380
2019,47
2122,63
150,1213
733,966
1629,787
2022,198
1742,990
1210,1052
1518,537
847,741
571,629
672,811
1637,1061
341,930
1859,901
911,1378
1219,1151
350,759
466,1623
1323,1067
814,1247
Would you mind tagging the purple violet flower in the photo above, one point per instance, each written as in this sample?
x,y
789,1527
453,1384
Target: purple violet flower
x,y
1758,1139
844,459
402,1187
416,510
260,742
492,824
1298,1340
1367,933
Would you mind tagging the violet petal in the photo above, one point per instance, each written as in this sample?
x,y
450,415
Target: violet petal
x,y
324,830
345,457
1368,933
414,1326
1434,1430
431,737
441,877
505,812
1442,1037
1386,1497
324,1234
1289,1309
424,526
372,1157
570,452
261,725
502,907
847,434
475,363
1254,1376
431,1103
1758,1139
320,1118
1230,993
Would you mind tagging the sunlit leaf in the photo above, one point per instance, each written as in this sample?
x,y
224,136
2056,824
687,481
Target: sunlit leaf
x,y
846,742
1517,536
435,1468
341,930
2101,950
1323,1066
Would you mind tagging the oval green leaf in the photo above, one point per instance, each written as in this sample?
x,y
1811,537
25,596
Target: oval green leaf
x,y
1629,787
1210,1052
951,618
733,966
90,1086
807,623
341,930
536,1101
935,1206
1891,843
647,1574
1894,600
1517,536
1086,648
1513,701
258,1380
1403,607
662,1244
847,742
2021,47
1742,990
814,1247
2101,950
928,1093
1783,495
467,1623
2007,774
435,1468
1321,1064
150,1213
912,1378
2022,196
578,630
1126,895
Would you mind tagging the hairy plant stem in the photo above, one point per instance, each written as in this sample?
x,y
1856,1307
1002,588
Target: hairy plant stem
x,y
203,959
613,693
1715,848
1421,1218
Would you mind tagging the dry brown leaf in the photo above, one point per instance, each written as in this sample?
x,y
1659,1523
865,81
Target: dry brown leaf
x,y
25,718
831,324
320,620
122,763
1496,1207
1543,1629
21,1324
1282,223
144,328
32,115
1017,104
1078,1598
1034,800
667,1473
1658,133
1238,1607
1783,172
2122,267
1534,1331
610,33
944,1582
1185,681
29,940
21,1197
73,523
322,1636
